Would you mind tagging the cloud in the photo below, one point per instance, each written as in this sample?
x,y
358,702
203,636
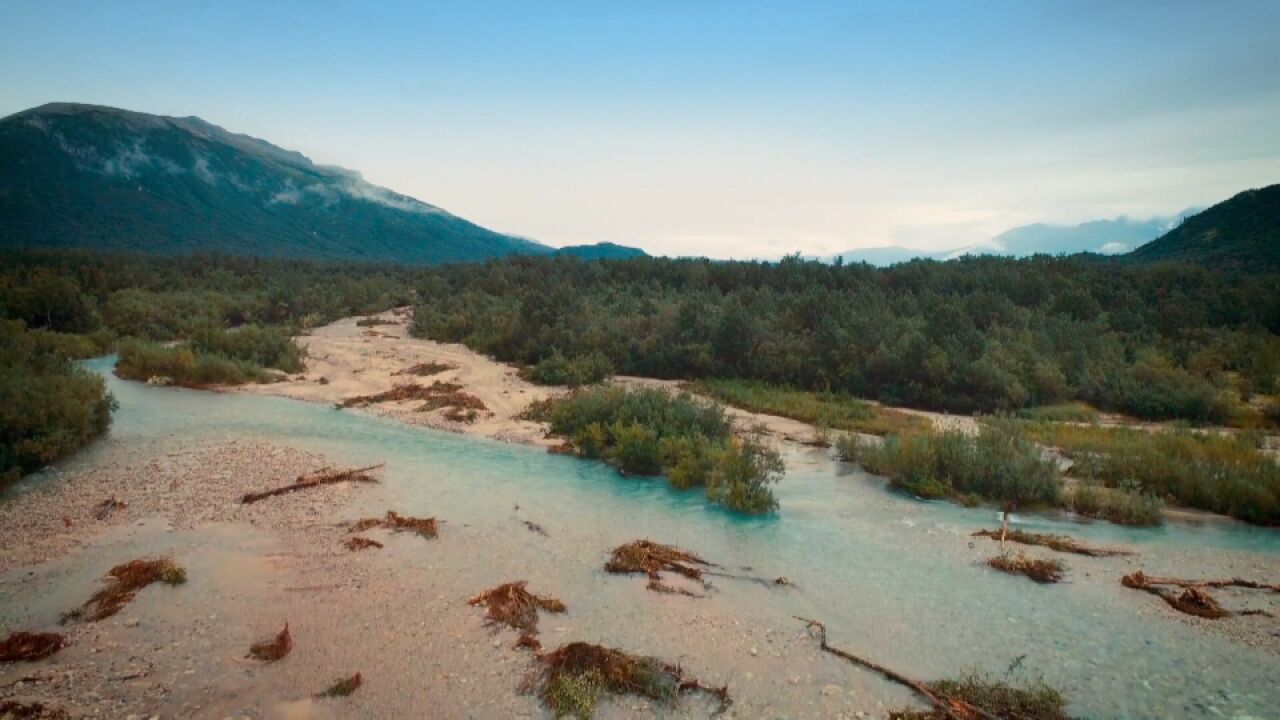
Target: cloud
x,y
1113,248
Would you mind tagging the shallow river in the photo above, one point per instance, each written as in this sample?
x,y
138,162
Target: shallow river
x,y
894,579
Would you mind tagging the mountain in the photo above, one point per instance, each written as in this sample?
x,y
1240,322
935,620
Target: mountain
x,y
1242,232
1105,237
602,251
89,176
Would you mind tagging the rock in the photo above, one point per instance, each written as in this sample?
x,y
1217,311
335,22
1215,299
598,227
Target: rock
x,y
755,650
830,690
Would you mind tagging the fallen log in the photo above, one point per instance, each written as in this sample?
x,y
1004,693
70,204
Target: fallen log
x,y
316,479
951,707
1229,582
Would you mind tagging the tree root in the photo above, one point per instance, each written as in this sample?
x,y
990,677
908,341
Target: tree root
x,y
1194,600
316,479
950,707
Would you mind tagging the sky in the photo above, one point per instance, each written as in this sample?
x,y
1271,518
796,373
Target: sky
x,y
727,129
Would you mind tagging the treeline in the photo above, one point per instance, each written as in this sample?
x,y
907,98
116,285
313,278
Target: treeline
x,y
976,334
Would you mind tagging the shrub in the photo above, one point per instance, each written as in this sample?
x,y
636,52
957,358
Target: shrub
x,y
1077,412
143,360
269,347
49,407
652,432
741,476
556,369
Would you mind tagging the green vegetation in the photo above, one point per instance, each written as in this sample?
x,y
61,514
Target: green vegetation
x,y
49,407
831,410
1126,505
1076,412
179,365
652,432
1222,473
999,464
977,334
556,369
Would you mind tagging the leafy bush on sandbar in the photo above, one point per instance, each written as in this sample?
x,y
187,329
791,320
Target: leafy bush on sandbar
x,y
652,432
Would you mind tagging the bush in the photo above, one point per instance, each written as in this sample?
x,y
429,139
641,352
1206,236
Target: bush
x,y
49,407
741,476
143,360
652,432
268,347
556,369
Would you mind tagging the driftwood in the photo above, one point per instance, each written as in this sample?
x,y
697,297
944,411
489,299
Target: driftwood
x,y
316,479
1060,543
104,509
27,646
954,708
1193,600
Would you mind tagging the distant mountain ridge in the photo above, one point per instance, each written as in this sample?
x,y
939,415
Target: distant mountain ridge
x,y
76,175
1106,237
1242,232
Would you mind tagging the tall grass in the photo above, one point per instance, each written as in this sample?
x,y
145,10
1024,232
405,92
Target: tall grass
x,y
837,411
652,432
999,464
1222,473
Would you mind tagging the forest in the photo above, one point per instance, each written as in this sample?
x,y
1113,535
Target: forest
x,y
1162,341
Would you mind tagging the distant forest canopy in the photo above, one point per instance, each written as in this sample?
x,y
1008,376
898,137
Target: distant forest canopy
x,y
985,334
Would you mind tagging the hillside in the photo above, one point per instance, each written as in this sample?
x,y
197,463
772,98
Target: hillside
x,y
602,251
1242,232
89,176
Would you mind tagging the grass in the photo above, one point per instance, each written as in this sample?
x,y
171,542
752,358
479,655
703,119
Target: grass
x,y
653,432
1123,505
835,411
999,464
1076,412
1218,472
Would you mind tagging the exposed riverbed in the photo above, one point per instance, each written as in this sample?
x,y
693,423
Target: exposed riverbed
x,y
894,579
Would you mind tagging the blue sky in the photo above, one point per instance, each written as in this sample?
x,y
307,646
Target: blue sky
x,y
732,129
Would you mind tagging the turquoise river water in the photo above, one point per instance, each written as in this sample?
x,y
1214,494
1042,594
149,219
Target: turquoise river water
x,y
895,578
